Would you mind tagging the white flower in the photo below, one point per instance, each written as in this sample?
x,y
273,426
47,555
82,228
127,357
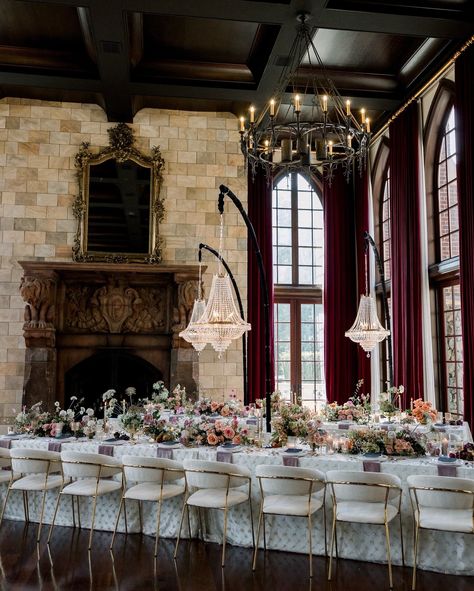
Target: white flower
x,y
401,389
73,398
56,404
82,410
62,414
90,412
107,395
70,413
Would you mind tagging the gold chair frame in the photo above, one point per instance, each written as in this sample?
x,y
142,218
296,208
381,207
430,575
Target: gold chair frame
x,y
25,492
94,496
416,522
261,516
229,476
159,502
388,488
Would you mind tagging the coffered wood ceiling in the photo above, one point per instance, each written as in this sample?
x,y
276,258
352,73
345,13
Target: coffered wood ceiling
x,y
220,55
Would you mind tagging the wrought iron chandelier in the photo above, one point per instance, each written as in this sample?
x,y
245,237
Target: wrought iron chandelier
x,y
317,131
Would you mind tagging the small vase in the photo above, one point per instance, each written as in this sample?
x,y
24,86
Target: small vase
x,y
291,441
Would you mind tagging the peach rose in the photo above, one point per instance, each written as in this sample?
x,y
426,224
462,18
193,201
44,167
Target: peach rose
x,y
212,439
229,433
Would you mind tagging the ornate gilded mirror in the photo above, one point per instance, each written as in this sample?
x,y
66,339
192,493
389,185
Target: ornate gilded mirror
x,y
118,208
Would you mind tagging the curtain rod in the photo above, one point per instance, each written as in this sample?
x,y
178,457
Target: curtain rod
x,y
425,87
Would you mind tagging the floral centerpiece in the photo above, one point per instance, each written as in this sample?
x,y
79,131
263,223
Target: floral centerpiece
x,y
43,423
356,409
291,420
206,432
390,401
156,427
206,406
373,441
316,435
423,411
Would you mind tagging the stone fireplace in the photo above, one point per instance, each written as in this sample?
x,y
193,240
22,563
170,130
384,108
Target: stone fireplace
x,y
94,326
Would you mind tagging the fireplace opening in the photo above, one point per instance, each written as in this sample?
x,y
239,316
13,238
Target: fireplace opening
x,y
110,369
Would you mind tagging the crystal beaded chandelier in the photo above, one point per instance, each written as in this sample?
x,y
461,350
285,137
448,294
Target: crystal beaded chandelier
x,y
220,322
367,330
190,334
316,131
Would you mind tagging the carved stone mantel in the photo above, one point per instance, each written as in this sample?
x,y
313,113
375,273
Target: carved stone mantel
x,y
73,310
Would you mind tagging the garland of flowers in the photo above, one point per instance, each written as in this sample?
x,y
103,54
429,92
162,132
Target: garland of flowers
x,y
401,443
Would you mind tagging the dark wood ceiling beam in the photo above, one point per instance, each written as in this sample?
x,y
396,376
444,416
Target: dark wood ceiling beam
x,y
113,60
86,30
394,24
50,59
34,80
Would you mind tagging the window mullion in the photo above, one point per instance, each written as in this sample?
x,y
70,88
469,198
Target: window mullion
x,y
294,228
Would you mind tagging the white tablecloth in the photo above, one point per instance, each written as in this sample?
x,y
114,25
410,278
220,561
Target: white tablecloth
x,y
441,552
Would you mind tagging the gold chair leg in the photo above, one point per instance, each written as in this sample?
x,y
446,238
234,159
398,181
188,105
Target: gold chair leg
x,y
73,512
125,519
180,526
258,537
264,534
58,500
415,556
116,523
27,506
401,539
224,537
325,532
94,505
5,505
310,547
335,540
140,516
79,512
251,522
389,558
189,522
333,534
158,518
40,524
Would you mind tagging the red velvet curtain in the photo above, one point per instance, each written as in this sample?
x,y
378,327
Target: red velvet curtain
x,y
406,256
465,163
340,289
361,195
260,214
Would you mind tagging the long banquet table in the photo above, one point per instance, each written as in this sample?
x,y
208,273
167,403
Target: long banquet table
x,y
440,552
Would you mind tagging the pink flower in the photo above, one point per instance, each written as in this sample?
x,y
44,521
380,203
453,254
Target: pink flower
x,y
225,411
236,440
212,439
219,425
214,406
229,433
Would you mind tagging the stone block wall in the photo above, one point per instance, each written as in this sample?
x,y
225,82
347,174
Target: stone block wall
x,y
38,141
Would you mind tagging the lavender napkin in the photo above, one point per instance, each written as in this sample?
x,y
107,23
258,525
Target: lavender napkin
x,y
447,470
163,452
251,421
224,456
343,426
54,446
291,461
371,466
6,443
107,450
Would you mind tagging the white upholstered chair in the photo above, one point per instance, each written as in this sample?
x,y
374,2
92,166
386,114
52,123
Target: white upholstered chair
x,y
365,497
440,503
5,465
92,476
153,480
298,492
216,485
34,470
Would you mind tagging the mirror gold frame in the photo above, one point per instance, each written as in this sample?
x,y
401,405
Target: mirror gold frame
x,y
121,148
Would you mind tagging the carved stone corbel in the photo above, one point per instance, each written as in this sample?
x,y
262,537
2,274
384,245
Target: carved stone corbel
x,y
39,293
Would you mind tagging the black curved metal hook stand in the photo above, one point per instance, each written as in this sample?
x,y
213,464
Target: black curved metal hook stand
x,y
266,300
369,240
241,310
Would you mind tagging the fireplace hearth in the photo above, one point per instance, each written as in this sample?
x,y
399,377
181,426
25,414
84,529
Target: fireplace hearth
x,y
94,326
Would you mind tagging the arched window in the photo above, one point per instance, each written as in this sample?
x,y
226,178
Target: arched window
x,y
385,228
447,252
298,259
